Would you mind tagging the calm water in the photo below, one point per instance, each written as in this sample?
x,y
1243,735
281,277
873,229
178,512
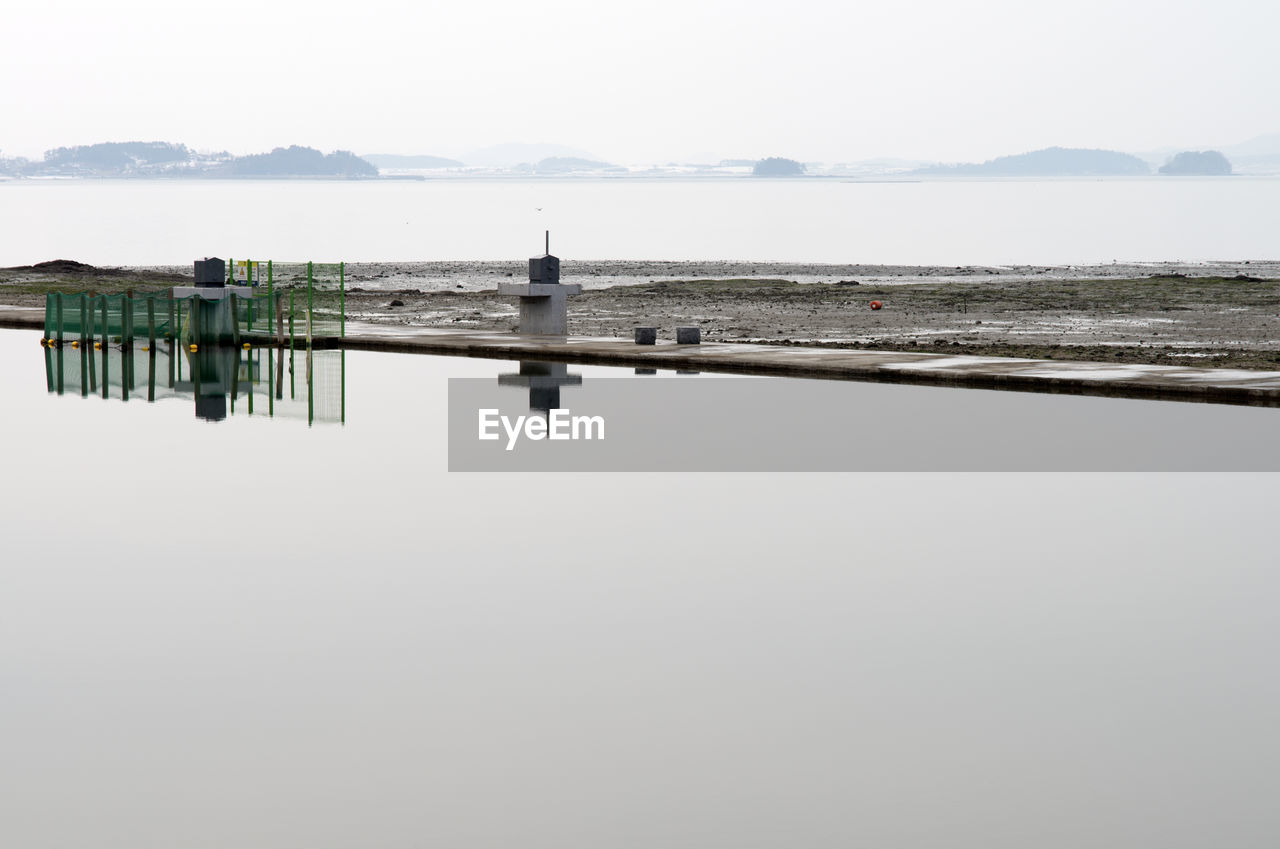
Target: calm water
x,y
939,222
261,634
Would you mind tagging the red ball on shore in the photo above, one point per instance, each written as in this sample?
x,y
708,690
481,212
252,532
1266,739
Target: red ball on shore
x,y
875,305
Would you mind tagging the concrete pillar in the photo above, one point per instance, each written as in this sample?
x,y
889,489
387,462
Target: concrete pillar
x,y
544,309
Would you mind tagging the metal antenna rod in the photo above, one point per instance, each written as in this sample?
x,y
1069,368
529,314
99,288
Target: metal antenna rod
x,y
548,243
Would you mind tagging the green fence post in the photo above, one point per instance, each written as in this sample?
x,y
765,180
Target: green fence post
x,y
271,299
272,355
126,320
106,373
249,306
310,305
84,319
93,371
151,322
311,395
235,320
106,328
58,322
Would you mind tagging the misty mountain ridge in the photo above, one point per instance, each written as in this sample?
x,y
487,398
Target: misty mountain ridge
x,y
135,159
1259,156
1050,162
514,154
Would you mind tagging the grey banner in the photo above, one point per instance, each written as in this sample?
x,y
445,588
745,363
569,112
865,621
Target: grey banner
x,y
727,424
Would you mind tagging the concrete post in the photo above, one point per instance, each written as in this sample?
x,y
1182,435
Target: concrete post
x,y
544,309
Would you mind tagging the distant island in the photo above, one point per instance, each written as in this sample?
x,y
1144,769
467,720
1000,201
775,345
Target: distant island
x,y
1198,163
777,166
1050,162
164,159
153,160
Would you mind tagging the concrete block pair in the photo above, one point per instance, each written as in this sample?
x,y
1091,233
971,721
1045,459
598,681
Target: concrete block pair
x,y
684,335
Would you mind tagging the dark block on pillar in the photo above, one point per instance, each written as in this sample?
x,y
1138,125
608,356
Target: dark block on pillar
x,y
211,272
544,269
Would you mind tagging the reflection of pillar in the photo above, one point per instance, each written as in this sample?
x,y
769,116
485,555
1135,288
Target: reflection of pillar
x,y
213,371
543,380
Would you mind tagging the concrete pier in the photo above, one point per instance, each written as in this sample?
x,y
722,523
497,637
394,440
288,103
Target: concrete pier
x,y
1223,386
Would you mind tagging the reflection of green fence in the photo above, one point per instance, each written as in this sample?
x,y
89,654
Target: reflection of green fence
x,y
297,303
221,380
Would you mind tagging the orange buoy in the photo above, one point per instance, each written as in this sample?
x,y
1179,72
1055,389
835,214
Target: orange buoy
x,y
875,305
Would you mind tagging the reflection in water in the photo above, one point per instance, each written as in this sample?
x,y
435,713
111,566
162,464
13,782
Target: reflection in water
x,y
543,380
302,384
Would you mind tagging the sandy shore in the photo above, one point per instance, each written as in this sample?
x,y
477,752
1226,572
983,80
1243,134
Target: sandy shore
x,y
1225,313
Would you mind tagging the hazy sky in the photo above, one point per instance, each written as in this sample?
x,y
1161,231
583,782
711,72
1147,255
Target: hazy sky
x,y
663,80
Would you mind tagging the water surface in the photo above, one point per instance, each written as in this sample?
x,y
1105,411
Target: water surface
x,y
258,634
138,222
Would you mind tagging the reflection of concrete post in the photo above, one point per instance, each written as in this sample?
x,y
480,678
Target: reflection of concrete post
x,y
214,320
543,380
544,309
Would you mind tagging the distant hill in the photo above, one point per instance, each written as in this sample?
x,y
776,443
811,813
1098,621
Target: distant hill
x,y
512,155
1265,145
1204,163
295,161
117,157
163,159
393,160
777,166
1051,162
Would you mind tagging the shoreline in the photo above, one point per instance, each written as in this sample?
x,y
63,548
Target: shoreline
x,y
1171,313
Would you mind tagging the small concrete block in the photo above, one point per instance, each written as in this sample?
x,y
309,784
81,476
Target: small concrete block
x,y
210,271
646,335
544,269
688,336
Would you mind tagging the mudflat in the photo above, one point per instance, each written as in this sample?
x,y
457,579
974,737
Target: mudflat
x,y
1211,314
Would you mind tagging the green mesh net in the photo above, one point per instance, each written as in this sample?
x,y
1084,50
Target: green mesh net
x,y
292,302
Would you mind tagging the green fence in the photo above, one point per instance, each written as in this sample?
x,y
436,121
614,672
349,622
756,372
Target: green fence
x,y
296,303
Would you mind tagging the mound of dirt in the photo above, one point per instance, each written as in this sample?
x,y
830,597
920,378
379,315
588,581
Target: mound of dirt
x,y
68,266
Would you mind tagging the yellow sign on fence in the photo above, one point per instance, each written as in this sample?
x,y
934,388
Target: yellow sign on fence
x,y
248,273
